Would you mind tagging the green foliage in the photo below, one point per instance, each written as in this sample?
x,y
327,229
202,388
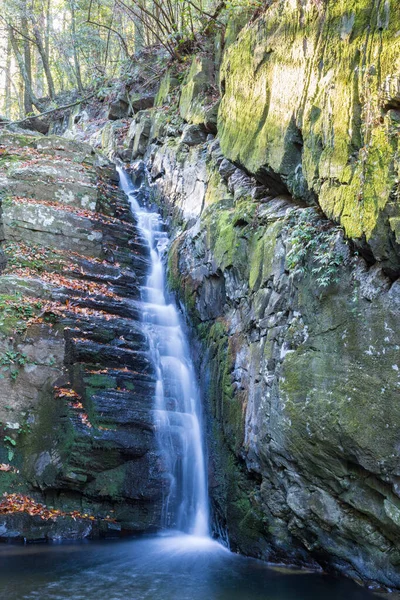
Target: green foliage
x,y
10,444
12,361
16,311
313,247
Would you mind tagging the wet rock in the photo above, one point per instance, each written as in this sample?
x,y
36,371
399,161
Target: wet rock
x,y
78,377
226,169
24,528
195,99
288,363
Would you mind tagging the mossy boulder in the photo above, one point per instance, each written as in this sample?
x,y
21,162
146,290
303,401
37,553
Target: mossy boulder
x,y
168,84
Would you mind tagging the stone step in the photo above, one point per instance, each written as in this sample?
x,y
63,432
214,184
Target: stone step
x,y
133,338
50,227
124,379
59,181
112,306
121,282
92,353
124,408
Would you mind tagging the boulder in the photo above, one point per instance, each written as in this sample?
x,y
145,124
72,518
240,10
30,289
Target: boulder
x,y
193,135
140,102
118,109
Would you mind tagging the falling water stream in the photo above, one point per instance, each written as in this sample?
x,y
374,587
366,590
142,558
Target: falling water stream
x,y
185,563
178,409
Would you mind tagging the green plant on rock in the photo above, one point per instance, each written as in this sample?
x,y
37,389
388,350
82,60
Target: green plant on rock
x,y
12,362
10,445
313,247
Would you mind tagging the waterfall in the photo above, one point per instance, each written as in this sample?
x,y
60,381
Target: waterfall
x,y
177,407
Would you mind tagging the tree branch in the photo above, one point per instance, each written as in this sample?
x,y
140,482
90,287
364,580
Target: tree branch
x,y
53,110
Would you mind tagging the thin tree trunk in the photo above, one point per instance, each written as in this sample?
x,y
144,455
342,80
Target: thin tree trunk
x,y
7,97
45,60
29,96
47,30
21,87
39,74
75,51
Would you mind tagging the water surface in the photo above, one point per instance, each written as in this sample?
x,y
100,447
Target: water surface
x,y
157,568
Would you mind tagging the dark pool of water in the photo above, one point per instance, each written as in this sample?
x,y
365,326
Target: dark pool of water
x,y
170,568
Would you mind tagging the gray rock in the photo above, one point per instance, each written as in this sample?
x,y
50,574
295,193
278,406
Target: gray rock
x,y
140,102
118,109
226,169
193,135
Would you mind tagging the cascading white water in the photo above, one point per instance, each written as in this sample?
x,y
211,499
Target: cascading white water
x,y
178,408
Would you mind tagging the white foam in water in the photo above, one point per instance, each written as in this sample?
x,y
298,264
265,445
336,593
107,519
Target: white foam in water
x,y
178,417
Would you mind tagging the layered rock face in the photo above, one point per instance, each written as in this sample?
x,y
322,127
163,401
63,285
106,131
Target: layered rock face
x,y
286,259
295,317
76,382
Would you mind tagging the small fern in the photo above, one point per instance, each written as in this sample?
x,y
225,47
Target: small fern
x,y
312,246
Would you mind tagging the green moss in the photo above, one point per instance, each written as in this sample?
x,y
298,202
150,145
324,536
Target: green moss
x,y
195,93
9,160
223,239
262,253
15,312
304,99
109,484
17,140
332,388
227,405
100,381
232,491
216,188
168,83
173,274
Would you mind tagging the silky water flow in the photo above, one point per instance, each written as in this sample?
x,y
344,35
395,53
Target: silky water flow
x,y
178,407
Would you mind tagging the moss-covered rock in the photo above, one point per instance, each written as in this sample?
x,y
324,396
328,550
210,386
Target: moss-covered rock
x,y
197,103
296,340
310,96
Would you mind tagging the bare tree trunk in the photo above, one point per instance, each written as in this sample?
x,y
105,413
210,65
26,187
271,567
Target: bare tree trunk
x,y
30,99
45,60
78,74
21,87
48,30
39,74
7,97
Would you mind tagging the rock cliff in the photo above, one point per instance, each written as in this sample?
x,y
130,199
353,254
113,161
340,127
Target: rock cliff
x,y
286,259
